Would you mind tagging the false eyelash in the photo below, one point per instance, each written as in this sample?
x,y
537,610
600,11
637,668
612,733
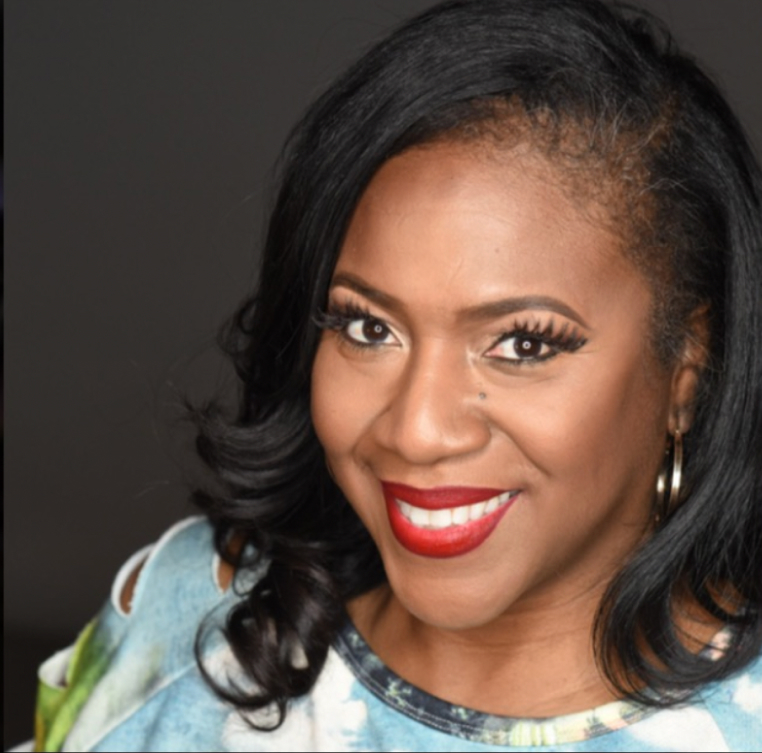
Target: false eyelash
x,y
563,340
336,317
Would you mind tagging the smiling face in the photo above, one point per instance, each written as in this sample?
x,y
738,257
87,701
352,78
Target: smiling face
x,y
484,388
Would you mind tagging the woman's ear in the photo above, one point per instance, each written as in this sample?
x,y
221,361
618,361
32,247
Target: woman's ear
x,y
686,373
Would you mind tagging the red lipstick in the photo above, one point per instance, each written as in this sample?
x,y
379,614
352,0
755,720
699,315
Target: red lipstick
x,y
449,540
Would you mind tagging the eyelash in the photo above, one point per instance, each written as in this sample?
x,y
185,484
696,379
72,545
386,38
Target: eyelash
x,y
338,318
562,341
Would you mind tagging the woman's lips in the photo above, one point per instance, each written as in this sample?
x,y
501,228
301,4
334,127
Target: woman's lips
x,y
446,521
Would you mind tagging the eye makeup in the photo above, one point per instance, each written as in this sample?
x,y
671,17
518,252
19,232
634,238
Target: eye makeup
x,y
344,318
534,343
526,343
335,317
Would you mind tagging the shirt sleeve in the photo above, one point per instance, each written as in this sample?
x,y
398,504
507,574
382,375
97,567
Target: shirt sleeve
x,y
65,681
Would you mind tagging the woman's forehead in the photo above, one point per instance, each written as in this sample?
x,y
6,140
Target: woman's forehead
x,y
446,225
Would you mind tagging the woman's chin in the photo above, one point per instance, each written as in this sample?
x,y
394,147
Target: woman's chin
x,y
449,604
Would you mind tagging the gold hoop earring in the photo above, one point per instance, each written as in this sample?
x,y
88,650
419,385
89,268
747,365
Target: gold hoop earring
x,y
677,471
666,502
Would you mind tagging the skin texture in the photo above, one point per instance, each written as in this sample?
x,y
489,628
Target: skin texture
x,y
441,230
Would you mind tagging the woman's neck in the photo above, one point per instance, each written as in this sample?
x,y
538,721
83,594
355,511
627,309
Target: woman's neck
x,y
537,661
534,662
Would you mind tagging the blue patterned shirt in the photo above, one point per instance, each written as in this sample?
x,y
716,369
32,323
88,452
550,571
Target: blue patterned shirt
x,y
131,682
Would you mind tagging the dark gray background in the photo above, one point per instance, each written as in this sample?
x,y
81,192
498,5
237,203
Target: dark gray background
x,y
140,135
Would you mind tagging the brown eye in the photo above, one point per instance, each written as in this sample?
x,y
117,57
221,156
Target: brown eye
x,y
527,347
369,331
522,348
374,330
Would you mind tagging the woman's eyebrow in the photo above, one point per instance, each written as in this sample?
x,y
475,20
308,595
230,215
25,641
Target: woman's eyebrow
x,y
359,286
480,312
505,306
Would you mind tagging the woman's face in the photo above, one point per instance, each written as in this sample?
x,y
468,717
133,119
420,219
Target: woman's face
x,y
484,390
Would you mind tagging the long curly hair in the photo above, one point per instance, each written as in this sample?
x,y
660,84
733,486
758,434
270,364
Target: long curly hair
x,y
599,85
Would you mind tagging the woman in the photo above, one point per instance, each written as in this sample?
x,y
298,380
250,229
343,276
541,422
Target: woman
x,y
495,477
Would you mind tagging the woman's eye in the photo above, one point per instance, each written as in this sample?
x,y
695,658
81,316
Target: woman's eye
x,y
521,348
369,331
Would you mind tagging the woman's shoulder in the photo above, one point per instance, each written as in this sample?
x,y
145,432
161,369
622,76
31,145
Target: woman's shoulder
x,y
725,715
736,706
141,641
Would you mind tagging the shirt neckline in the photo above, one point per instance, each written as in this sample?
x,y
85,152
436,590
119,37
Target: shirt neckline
x,y
470,724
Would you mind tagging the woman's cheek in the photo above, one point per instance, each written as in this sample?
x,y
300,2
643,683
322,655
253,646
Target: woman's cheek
x,y
565,427
339,399
325,391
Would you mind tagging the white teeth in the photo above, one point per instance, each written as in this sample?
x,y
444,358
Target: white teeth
x,y
438,519
460,515
477,510
419,517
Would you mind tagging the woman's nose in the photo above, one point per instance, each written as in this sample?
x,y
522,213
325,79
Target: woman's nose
x,y
433,411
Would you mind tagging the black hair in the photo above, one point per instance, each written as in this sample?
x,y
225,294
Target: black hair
x,y
585,67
